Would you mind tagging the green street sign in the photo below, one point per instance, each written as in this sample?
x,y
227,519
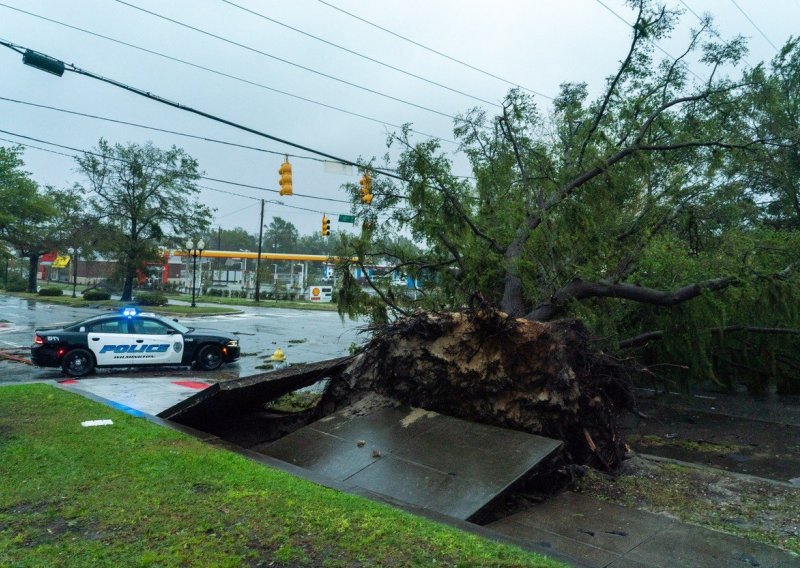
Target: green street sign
x,y
347,218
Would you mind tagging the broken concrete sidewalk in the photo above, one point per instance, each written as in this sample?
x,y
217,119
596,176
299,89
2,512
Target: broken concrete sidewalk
x,y
426,459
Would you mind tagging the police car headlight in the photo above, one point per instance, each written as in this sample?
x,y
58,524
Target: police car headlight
x,y
233,343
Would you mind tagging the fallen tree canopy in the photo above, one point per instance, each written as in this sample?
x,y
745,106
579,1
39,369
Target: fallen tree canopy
x,y
485,366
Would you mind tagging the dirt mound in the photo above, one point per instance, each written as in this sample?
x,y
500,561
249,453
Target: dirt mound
x,y
484,366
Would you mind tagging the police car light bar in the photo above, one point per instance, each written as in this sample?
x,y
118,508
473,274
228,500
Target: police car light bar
x,y
129,312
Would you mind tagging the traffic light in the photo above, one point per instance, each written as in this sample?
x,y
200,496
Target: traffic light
x,y
366,189
286,178
326,226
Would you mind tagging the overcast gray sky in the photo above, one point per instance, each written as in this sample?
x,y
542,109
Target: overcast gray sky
x,y
537,44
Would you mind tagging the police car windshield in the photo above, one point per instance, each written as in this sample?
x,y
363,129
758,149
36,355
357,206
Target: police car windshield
x,y
174,324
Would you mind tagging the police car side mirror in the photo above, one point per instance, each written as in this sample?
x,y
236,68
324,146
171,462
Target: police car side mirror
x,y
82,328
174,319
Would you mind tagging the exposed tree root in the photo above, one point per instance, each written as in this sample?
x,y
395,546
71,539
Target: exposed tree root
x,y
485,366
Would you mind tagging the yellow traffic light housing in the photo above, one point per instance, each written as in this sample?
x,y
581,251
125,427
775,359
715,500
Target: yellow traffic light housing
x,y
286,178
366,189
326,226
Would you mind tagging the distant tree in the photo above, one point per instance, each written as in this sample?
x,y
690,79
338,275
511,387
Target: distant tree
x,y
34,221
280,236
143,196
230,239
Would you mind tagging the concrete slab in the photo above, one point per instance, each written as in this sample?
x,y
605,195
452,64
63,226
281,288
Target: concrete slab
x,y
588,555
151,395
422,458
599,524
605,535
695,547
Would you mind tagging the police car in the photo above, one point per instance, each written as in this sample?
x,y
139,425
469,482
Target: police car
x,y
130,338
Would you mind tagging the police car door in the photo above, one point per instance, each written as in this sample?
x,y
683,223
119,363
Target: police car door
x,y
160,343
108,340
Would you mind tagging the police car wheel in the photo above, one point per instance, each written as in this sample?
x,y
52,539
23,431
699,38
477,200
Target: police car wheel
x,y
210,358
77,363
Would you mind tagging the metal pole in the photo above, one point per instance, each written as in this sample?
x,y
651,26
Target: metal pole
x,y
194,273
258,258
75,273
201,269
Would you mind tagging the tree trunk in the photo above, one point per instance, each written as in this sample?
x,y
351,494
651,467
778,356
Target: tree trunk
x,y
33,269
127,289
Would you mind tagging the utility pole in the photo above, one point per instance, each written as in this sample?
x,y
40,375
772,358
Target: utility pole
x,y
258,258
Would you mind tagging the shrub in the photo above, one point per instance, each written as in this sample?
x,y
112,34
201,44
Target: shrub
x,y
150,299
96,295
51,292
16,283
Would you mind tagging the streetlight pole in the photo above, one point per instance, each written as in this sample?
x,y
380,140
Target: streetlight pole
x,y
195,251
73,258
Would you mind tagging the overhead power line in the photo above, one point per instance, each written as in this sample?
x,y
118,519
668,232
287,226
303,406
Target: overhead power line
x,y
215,189
749,19
431,50
74,69
97,154
165,130
221,73
286,61
655,44
361,55
701,20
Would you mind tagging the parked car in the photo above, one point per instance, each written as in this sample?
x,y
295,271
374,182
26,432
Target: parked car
x,y
130,338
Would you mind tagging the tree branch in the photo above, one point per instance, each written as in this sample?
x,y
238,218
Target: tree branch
x,y
581,289
644,338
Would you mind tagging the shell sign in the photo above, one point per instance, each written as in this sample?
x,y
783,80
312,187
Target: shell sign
x,y
320,293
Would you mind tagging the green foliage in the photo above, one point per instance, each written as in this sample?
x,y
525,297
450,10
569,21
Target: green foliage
x,y
34,220
145,196
16,283
150,299
96,295
51,292
280,236
659,183
235,239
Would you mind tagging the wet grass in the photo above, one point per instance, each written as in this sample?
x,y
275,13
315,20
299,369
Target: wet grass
x,y
290,304
751,508
650,441
136,494
295,401
113,304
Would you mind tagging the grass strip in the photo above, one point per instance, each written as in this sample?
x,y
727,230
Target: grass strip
x,y
113,304
137,494
264,303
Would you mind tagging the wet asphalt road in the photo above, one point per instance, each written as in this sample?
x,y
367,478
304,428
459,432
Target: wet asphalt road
x,y
304,335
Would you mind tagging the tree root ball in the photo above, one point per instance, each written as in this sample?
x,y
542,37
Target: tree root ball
x,y
484,366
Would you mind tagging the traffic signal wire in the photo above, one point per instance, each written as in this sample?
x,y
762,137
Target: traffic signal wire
x,y
165,130
97,154
754,25
430,49
215,189
286,61
655,44
358,54
77,70
220,73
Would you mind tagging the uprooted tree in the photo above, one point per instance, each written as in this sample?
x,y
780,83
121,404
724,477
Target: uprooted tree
x,y
662,213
